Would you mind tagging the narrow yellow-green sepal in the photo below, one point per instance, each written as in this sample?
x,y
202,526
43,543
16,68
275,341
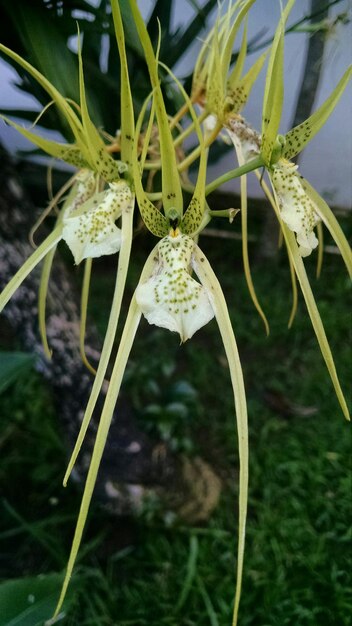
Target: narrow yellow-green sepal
x,y
230,39
127,338
274,89
171,185
127,116
298,137
215,80
42,297
121,274
208,279
314,316
94,148
194,214
239,93
84,309
69,153
235,75
154,220
59,100
244,228
331,223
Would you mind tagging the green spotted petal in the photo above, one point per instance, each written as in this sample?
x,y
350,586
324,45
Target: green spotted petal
x,y
127,116
171,298
194,215
298,137
69,153
154,220
171,185
55,95
239,92
274,89
94,149
215,81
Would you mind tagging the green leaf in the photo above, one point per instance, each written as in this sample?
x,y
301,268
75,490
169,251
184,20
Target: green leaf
x,y
46,42
30,601
190,33
12,366
298,137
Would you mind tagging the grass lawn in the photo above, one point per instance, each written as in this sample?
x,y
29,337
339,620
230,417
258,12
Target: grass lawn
x,y
144,571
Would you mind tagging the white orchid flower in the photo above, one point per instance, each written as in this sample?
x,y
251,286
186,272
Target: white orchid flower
x,y
93,232
171,298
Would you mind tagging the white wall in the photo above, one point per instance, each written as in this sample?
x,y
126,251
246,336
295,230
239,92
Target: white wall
x,y
327,160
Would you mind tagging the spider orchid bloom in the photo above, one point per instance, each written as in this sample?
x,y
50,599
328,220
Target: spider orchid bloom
x,y
298,209
166,284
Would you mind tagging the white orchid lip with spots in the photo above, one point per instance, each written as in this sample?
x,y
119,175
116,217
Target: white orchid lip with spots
x,y
296,208
171,298
93,232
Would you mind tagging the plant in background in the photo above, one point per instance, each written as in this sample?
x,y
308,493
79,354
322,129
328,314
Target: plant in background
x,y
152,166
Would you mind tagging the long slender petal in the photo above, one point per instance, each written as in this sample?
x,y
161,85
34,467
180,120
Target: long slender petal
x,y
314,316
207,277
171,186
124,257
274,88
297,138
128,335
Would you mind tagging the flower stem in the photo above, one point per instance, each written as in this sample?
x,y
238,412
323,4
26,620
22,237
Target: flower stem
x,y
253,164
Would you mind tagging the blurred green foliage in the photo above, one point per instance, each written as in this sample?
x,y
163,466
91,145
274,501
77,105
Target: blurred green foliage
x,y
131,572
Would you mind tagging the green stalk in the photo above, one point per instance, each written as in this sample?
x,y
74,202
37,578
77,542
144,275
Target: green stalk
x,y
251,165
